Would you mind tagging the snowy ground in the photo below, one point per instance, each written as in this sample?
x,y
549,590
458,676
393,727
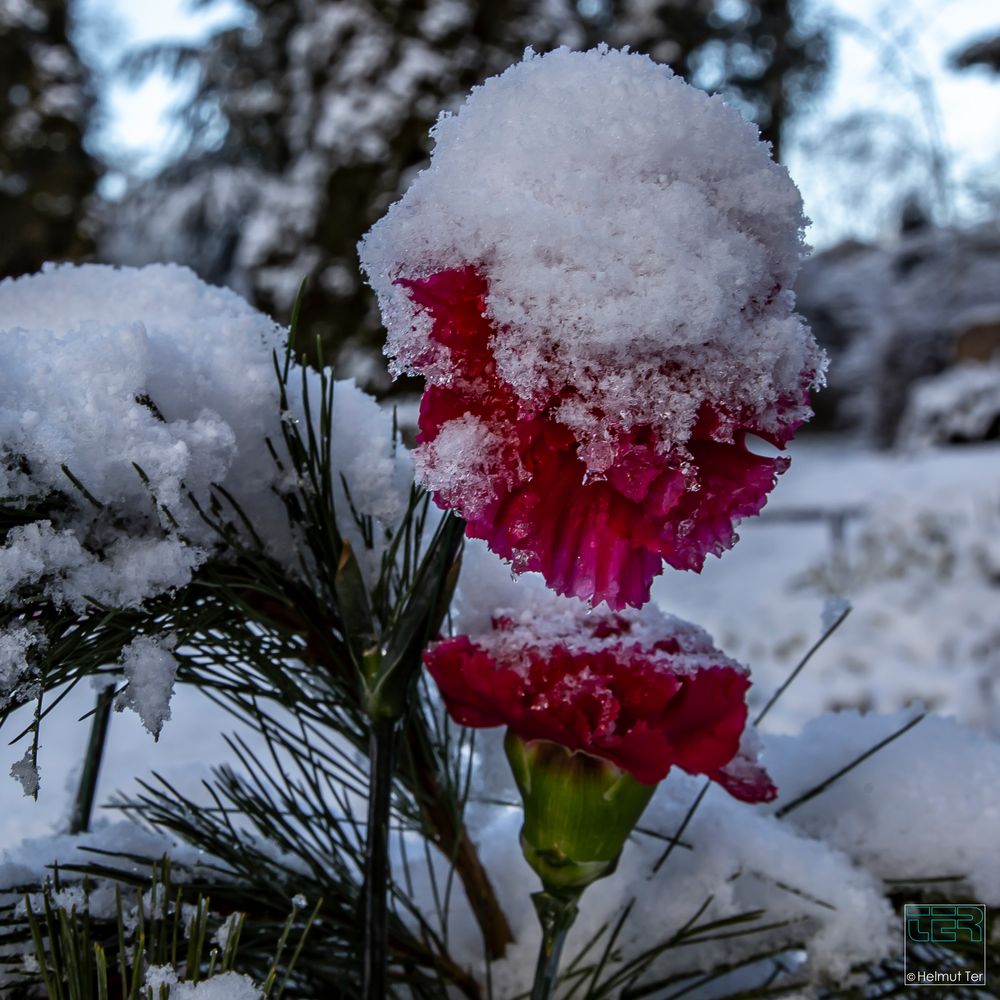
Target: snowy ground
x,y
920,562
921,566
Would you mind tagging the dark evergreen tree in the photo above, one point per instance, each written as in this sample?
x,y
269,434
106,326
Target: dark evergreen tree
x,y
46,174
759,53
982,52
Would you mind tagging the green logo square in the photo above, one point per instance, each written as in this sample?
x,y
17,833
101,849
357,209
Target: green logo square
x,y
928,931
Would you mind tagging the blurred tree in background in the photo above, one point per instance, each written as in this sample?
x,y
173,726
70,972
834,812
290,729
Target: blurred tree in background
x,y
758,53
982,52
310,117
46,175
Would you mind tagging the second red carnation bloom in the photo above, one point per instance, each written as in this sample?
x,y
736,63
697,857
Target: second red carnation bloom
x,y
644,706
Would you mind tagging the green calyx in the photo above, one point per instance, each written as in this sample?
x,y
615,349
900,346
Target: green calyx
x,y
578,812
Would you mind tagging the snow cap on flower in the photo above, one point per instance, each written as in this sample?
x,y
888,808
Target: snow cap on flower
x,y
593,276
642,690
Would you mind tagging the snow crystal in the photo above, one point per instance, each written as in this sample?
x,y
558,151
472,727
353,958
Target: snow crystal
x,y
299,901
227,986
14,645
69,899
132,568
160,975
224,933
468,444
26,771
623,219
150,669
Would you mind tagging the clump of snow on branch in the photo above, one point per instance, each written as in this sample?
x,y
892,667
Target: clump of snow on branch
x,y
110,369
126,393
623,219
150,669
14,667
25,771
106,368
224,986
132,568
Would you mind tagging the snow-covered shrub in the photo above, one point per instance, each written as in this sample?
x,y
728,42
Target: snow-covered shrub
x,y
890,315
959,406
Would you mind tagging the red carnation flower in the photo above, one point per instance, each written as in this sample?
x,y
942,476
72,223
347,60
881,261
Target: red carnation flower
x,y
611,691
593,277
596,519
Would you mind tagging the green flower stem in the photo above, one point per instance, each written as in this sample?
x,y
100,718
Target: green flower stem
x,y
382,742
556,912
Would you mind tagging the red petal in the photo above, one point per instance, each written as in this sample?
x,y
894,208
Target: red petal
x,y
475,692
618,703
734,484
600,539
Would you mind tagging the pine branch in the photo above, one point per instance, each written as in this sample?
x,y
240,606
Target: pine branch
x,y
84,804
310,638
82,954
449,834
